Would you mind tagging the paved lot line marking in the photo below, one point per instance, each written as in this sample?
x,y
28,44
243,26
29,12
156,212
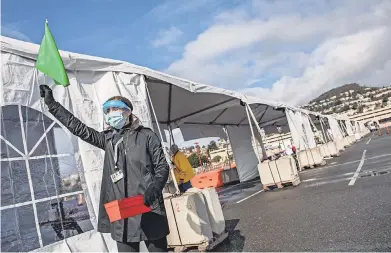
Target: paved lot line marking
x,y
354,178
369,141
335,165
252,195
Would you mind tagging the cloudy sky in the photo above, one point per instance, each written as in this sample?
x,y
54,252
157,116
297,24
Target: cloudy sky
x,y
284,50
279,49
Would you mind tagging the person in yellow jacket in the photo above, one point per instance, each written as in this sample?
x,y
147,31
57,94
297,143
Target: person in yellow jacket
x,y
183,170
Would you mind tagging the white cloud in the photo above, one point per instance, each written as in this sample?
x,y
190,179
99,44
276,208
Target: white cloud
x,y
308,50
167,37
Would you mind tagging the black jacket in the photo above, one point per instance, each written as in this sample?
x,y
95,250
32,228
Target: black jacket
x,y
142,160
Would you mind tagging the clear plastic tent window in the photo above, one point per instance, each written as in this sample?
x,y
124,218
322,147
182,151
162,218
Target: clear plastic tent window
x,y
42,198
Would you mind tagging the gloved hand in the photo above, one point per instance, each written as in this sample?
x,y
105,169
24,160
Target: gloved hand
x,y
151,194
47,94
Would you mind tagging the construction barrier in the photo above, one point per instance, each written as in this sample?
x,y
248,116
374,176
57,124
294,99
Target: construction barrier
x,y
339,144
329,149
208,179
279,172
310,157
346,141
332,148
352,139
324,151
195,219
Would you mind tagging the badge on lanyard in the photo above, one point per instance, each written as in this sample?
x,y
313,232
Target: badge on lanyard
x,y
116,176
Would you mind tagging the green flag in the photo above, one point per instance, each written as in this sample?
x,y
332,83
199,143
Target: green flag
x,y
49,60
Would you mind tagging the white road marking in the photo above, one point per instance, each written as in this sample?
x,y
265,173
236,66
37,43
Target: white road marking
x,y
355,161
354,178
378,156
333,177
327,182
309,180
369,141
252,195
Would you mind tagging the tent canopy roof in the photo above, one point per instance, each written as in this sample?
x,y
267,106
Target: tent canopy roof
x,y
176,101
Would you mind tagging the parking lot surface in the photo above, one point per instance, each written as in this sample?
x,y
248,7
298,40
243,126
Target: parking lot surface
x,y
342,206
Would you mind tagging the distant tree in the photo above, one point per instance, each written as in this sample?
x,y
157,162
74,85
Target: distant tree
x,y
212,146
194,160
355,106
216,159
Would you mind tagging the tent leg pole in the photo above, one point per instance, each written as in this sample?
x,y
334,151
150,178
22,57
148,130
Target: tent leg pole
x,y
258,128
161,137
171,135
229,141
253,135
255,142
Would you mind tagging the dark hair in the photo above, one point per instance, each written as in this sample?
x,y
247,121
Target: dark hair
x,y
122,99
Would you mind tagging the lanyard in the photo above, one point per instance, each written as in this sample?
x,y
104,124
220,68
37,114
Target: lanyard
x,y
116,151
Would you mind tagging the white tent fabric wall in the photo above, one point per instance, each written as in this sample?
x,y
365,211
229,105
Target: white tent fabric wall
x,y
242,148
342,127
358,127
349,127
84,98
362,126
294,132
308,131
296,126
335,129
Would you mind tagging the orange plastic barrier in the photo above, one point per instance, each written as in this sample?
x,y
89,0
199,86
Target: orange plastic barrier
x,y
208,179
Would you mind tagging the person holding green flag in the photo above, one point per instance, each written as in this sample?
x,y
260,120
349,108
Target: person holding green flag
x,y
134,162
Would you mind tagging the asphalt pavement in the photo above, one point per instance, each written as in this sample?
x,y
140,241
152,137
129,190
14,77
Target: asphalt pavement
x,y
342,206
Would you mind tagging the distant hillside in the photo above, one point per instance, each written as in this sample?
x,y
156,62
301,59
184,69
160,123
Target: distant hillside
x,y
341,89
351,99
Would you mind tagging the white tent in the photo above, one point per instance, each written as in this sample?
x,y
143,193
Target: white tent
x,y
57,169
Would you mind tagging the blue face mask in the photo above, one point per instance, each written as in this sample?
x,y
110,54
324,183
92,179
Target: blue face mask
x,y
115,119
